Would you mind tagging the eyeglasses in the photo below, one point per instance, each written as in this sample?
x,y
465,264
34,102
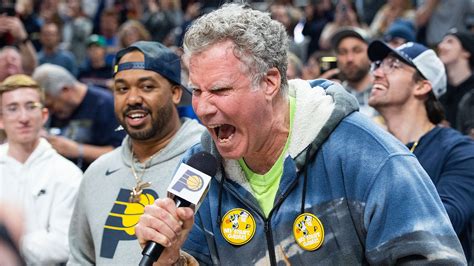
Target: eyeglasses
x,y
388,65
14,110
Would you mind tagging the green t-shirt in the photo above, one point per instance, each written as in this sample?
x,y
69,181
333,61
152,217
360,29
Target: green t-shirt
x,y
266,186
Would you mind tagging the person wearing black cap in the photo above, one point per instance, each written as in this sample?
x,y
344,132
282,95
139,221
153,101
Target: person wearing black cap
x,y
350,45
408,82
457,53
117,186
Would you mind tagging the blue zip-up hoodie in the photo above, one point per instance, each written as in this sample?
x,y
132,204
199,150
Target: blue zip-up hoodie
x,y
376,203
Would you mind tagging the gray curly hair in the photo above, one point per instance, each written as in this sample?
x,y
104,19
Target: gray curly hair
x,y
259,42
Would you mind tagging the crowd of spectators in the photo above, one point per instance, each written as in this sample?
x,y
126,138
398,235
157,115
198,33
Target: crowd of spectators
x,y
83,35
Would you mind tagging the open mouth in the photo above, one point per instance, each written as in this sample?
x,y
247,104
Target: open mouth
x,y
136,118
378,86
224,132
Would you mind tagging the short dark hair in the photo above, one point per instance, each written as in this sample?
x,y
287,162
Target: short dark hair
x,y
434,108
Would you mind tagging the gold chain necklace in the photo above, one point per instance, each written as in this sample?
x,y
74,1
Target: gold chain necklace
x,y
137,190
412,149
414,146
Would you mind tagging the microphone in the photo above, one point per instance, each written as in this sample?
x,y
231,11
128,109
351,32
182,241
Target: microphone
x,y
188,188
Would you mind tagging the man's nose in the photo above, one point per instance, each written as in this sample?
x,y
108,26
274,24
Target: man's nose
x,y
134,97
204,106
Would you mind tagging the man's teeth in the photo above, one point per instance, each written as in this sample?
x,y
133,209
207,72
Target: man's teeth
x,y
133,116
225,140
216,129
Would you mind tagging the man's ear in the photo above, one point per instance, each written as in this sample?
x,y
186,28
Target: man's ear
x,y
423,87
65,92
272,81
466,54
44,115
177,92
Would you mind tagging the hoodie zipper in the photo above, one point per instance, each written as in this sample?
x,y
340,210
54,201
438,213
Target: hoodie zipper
x,y
270,246
267,222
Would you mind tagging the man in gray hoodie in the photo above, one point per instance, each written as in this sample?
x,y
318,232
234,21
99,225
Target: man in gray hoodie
x,y
118,185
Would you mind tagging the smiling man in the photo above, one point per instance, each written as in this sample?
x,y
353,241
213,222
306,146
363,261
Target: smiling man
x,y
350,46
408,82
34,178
304,178
121,183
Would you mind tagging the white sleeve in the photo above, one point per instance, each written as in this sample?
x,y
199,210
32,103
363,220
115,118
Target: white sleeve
x,y
50,245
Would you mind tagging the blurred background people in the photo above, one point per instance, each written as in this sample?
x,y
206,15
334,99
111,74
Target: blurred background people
x,y
321,64
95,70
51,52
399,32
163,18
82,125
132,31
25,11
345,16
434,18
388,13
10,62
76,30
109,24
289,16
317,15
295,67
456,50
13,33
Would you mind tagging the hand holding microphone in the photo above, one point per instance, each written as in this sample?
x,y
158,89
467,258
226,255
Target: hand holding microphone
x,y
164,226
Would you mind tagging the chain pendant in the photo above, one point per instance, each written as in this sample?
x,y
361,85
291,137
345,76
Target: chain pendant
x,y
137,191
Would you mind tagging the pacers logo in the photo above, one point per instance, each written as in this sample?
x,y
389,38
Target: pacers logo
x,y
238,226
189,180
121,221
308,231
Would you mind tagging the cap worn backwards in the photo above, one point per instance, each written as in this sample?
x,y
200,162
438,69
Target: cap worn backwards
x,y
418,56
158,58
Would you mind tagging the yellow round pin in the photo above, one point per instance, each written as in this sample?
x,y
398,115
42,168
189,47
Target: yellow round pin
x,y
308,231
238,226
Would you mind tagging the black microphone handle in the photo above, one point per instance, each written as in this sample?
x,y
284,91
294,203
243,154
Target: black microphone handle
x,y
153,250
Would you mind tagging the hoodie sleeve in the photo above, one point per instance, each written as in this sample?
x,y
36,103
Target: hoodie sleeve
x,y
50,245
402,228
80,238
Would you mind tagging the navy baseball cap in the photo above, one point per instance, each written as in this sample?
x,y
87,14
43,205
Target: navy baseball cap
x,y
400,28
418,56
158,58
